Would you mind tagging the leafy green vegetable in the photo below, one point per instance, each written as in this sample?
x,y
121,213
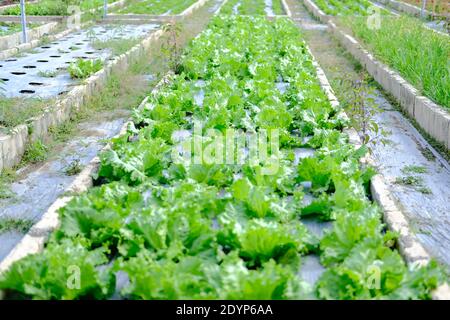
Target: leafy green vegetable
x,y
63,271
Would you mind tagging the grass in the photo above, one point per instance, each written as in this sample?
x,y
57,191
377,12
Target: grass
x,y
48,73
15,111
35,152
7,176
419,54
156,7
14,224
438,6
414,182
54,7
344,7
9,28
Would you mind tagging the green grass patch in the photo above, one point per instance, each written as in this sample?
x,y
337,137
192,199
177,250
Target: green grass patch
x,y
156,7
35,152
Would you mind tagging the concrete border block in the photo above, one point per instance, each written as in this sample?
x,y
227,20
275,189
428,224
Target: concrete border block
x,y
432,119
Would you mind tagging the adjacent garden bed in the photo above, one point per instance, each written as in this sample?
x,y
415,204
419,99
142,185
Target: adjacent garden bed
x,y
164,223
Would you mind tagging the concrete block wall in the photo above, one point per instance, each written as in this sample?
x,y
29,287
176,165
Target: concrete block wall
x,y
409,246
432,118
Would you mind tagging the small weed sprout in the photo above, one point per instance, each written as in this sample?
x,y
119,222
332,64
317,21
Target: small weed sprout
x,y
361,108
171,47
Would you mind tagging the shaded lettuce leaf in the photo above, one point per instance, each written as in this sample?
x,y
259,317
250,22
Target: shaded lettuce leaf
x,y
52,274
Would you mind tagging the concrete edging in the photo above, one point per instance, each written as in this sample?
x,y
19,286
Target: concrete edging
x,y
432,118
15,39
405,7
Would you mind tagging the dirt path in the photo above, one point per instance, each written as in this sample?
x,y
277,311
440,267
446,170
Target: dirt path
x,y
418,176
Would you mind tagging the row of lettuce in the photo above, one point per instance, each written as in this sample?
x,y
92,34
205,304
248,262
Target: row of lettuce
x,y
253,7
404,43
161,226
65,7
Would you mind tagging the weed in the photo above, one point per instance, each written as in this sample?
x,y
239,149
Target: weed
x,y
10,224
73,168
45,39
35,152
